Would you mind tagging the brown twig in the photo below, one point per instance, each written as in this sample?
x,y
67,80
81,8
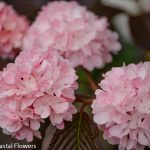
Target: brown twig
x,y
83,106
92,82
85,100
80,96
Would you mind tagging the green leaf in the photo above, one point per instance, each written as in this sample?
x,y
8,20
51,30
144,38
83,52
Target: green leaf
x,y
80,134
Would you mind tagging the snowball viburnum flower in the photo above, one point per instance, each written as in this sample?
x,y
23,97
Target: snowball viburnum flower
x,y
122,106
78,34
36,86
12,29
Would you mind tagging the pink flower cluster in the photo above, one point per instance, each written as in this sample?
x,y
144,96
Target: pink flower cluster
x,y
122,106
12,30
78,34
37,86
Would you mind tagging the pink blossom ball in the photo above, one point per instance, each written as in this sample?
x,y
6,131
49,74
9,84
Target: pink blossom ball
x,y
78,34
37,86
12,29
122,106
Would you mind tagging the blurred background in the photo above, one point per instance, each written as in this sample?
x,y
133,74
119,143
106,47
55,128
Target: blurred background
x,y
130,18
